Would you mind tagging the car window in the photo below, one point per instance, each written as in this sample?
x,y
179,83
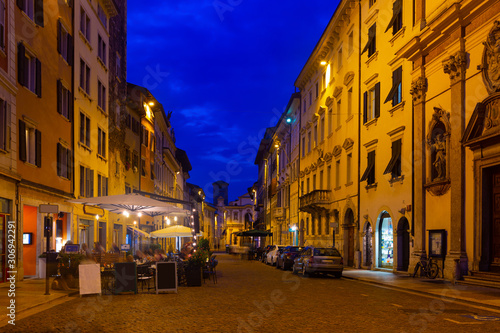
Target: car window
x,y
294,248
326,252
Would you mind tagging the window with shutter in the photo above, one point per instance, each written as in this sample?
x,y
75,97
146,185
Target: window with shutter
x,y
3,125
394,166
396,22
2,24
371,45
395,92
369,174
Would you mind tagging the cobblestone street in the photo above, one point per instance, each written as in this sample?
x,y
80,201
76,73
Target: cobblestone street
x,y
253,297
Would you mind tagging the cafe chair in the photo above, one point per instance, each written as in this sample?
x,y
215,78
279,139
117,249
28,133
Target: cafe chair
x,y
144,276
210,269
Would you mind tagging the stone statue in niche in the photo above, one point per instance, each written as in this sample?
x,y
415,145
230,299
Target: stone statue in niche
x,y
439,162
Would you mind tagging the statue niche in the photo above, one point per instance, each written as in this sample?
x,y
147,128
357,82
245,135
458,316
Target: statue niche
x,y
438,149
438,153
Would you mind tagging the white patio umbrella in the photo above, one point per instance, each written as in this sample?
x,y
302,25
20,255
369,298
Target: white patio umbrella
x,y
133,203
173,231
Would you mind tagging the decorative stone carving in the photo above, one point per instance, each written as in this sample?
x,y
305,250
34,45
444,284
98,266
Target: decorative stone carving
x,y
314,166
491,59
307,170
337,150
329,101
337,91
348,143
418,88
301,174
492,117
348,78
439,149
328,157
455,66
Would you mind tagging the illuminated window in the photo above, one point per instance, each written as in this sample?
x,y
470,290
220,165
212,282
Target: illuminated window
x,y
30,144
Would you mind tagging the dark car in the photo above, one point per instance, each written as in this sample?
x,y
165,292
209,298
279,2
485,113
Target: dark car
x,y
314,260
286,258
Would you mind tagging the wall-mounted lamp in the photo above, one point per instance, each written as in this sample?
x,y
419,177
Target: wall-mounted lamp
x,y
323,63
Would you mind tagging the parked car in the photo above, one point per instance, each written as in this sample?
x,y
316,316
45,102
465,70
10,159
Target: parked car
x,y
319,260
272,254
264,253
287,256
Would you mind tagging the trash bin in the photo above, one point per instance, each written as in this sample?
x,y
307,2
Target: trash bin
x,y
227,248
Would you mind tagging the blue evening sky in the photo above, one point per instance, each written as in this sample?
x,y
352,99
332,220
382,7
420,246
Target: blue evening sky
x,y
226,69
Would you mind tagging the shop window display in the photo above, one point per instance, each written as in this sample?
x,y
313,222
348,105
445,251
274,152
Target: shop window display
x,y
386,243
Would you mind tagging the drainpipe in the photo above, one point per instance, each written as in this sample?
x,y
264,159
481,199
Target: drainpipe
x,y
359,120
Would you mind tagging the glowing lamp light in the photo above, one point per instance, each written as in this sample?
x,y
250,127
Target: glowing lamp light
x,y
168,221
192,230
125,213
294,228
139,214
135,222
288,120
151,103
194,244
175,218
323,63
97,217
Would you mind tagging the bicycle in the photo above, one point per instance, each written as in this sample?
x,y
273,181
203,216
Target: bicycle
x,y
428,268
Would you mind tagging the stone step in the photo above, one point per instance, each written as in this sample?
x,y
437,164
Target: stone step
x,y
483,280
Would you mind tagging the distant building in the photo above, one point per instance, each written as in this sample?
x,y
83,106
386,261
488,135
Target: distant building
x,y
220,190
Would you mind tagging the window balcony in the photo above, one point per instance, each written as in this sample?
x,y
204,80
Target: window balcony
x,y
315,201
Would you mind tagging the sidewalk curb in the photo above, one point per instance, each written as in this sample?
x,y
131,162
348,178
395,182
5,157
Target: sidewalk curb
x,y
446,298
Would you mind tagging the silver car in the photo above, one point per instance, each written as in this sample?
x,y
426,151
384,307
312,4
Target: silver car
x,y
319,260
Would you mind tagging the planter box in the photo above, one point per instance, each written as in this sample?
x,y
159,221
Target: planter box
x,y
193,277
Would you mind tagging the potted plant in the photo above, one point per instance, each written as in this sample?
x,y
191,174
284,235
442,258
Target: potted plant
x,y
194,267
68,267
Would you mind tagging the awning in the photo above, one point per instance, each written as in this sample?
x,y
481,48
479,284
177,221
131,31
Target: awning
x,y
255,233
173,231
138,231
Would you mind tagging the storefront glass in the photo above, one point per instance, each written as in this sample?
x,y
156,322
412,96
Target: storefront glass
x,y
386,243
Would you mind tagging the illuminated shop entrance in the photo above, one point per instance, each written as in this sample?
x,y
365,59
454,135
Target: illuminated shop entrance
x,y
385,242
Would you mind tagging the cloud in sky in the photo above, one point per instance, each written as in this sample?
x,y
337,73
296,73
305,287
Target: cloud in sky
x,y
226,78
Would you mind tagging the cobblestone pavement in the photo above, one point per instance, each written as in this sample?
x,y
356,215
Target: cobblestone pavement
x,y
253,297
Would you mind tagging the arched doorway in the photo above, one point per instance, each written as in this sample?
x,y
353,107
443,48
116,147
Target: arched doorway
x,y
367,245
349,238
385,241
403,244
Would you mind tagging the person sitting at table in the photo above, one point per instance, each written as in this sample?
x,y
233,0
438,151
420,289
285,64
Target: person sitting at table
x,y
114,248
130,258
139,255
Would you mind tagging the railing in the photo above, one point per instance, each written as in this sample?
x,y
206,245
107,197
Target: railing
x,y
314,198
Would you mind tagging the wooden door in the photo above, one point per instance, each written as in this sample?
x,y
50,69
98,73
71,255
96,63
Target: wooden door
x,y
495,228
350,260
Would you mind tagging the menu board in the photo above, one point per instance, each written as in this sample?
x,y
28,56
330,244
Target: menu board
x,y
90,279
125,277
166,276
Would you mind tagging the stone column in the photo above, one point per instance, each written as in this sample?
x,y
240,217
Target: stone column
x,y
455,66
418,91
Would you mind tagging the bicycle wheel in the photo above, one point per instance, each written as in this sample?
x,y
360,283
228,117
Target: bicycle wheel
x,y
433,270
417,266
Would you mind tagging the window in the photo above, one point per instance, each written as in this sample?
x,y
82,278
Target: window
x,y
2,24
372,2
349,103
337,174
102,185
317,90
307,225
321,180
63,161
329,177
303,146
371,44
330,121
101,143
152,140
313,225
314,182
128,190
339,58
394,166
369,174
348,167
4,124
30,144
315,135
143,167
86,182
64,43
395,93
101,49
308,185
29,71
84,76
152,171
64,101
396,22
322,129
84,130
101,96
117,115
33,9
102,15
351,42
308,142
310,97
135,161
304,105
85,24
371,108
302,188
136,126
339,115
